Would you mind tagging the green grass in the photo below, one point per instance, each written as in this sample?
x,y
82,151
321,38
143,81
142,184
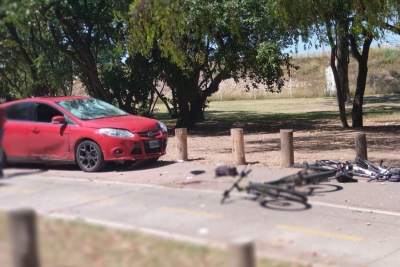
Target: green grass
x,y
271,115
65,243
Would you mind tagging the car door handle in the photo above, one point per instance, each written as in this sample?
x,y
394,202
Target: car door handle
x,y
36,130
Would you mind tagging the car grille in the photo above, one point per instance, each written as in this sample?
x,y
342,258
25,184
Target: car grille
x,y
147,149
149,134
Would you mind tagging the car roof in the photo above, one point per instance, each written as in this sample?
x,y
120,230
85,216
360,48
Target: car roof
x,y
48,99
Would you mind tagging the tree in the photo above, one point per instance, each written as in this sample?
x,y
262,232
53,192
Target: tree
x,y
371,20
343,24
84,31
29,67
201,43
49,44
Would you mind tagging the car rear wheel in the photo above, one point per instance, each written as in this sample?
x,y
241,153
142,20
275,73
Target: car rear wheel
x,y
89,156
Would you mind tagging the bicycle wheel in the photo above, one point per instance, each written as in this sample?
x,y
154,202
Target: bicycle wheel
x,y
308,166
276,192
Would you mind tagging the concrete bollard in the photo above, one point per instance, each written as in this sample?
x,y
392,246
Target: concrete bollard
x,y
287,153
23,238
241,253
361,148
181,144
239,157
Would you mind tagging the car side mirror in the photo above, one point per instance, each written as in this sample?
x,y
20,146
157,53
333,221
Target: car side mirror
x,y
58,120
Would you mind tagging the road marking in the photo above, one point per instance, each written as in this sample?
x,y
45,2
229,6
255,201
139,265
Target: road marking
x,y
318,232
192,212
391,213
18,190
93,198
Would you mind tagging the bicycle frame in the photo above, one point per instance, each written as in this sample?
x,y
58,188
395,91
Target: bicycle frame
x,y
281,188
375,172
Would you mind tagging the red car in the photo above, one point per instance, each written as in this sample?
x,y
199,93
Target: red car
x,y
78,129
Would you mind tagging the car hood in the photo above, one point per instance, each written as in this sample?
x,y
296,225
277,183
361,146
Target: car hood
x,y
131,123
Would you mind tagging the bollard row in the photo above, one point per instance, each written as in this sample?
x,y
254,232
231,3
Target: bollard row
x,y
238,149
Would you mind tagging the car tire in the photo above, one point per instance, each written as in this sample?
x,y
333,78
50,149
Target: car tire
x,y
89,156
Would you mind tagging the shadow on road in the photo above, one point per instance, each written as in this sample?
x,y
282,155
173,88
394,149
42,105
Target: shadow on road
x,y
111,166
321,189
285,205
282,204
24,173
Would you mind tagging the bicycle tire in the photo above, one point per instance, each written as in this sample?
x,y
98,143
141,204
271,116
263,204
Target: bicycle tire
x,y
389,178
275,192
312,167
321,175
394,178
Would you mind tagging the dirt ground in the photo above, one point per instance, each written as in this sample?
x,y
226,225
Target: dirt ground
x,y
213,144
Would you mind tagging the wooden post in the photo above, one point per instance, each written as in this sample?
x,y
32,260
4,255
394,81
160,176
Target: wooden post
x,y
181,143
23,238
238,146
241,253
361,148
287,152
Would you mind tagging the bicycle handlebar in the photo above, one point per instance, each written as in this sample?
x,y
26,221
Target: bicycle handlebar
x,y
242,175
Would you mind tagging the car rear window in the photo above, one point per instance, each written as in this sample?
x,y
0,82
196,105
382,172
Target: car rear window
x,y
21,111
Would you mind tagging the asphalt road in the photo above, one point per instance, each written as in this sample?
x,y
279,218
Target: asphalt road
x,y
353,224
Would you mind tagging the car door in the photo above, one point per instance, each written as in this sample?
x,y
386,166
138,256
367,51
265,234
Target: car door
x,y
48,140
16,130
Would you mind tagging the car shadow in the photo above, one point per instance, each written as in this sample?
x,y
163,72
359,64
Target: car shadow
x,y
110,167
24,173
144,165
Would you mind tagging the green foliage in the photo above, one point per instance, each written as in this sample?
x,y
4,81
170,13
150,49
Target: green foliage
x,y
201,43
131,84
32,65
46,44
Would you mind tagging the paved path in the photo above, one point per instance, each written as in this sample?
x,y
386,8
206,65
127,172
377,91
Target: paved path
x,y
355,224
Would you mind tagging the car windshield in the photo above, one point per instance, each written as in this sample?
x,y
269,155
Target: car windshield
x,y
90,108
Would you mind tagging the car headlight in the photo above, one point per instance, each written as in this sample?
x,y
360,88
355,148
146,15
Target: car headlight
x,y
162,127
116,132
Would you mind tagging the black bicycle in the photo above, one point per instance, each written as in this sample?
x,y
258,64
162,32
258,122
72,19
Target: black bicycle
x,y
283,188
343,171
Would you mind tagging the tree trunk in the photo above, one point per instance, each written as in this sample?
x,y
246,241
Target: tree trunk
x,y
340,92
95,82
342,56
362,59
199,101
184,119
197,107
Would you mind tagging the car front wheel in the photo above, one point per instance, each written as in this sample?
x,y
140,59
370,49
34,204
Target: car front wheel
x,y
89,156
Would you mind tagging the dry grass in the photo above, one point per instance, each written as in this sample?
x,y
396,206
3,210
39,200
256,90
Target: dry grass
x,y
310,81
76,244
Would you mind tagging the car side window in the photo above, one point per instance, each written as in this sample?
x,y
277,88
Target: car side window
x,y
44,113
20,112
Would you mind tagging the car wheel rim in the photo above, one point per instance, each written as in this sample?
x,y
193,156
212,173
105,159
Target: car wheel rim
x,y
88,156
